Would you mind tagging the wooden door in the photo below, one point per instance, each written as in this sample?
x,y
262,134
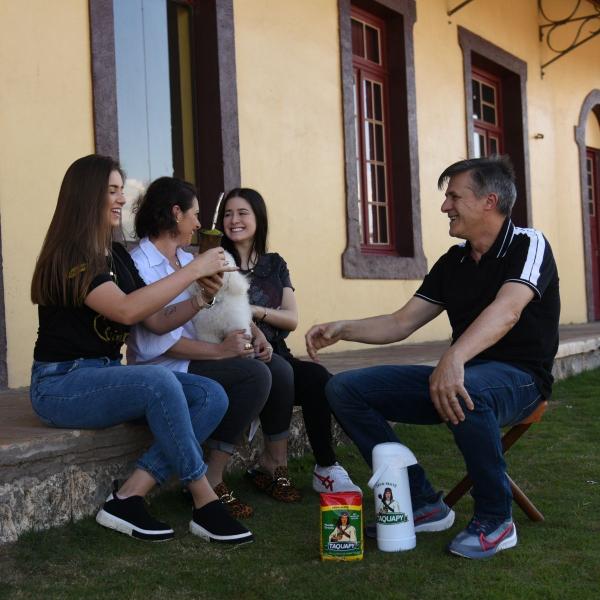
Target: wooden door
x,y
593,207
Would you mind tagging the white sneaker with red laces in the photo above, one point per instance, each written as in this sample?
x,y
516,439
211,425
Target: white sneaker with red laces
x,y
329,480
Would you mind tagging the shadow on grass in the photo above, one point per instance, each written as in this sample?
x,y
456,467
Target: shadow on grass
x,y
556,463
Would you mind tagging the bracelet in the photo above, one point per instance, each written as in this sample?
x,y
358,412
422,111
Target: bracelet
x,y
211,303
196,304
264,316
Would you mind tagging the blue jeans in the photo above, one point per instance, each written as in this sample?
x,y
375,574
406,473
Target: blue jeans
x,y
181,409
364,400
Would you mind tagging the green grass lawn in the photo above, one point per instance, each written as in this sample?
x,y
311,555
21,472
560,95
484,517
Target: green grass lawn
x,y
557,464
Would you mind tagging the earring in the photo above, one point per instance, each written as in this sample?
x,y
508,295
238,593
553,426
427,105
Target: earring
x,y
177,220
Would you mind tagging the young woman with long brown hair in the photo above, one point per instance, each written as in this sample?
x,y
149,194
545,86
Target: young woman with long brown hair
x,y
88,294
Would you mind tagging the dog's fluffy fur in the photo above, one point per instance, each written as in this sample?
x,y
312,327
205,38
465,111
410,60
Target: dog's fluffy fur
x,y
231,310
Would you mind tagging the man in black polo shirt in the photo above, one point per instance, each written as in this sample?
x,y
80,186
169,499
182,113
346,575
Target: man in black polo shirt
x,y
500,290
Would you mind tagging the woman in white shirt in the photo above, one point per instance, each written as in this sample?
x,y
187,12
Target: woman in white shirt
x,y
165,221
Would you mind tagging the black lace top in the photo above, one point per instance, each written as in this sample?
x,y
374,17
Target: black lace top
x,y
267,279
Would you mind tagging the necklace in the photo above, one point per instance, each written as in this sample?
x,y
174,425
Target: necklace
x,y
251,264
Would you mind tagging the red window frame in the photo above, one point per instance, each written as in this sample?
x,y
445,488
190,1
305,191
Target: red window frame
x,y
377,73
486,130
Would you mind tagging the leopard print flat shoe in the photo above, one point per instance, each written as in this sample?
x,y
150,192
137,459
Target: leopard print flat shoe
x,y
279,486
236,508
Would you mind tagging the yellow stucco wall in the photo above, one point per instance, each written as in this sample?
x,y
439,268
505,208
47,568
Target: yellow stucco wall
x,y
45,123
291,141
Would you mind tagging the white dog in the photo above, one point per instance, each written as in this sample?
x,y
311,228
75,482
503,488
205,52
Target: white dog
x,y
231,310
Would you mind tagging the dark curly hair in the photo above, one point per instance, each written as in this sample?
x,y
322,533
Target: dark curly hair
x,y
154,211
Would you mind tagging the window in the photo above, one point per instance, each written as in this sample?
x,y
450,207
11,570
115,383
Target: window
x,y
381,154
496,111
592,197
165,100
488,136
372,133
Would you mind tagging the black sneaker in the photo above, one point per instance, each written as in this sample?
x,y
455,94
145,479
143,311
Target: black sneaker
x,y
130,516
213,523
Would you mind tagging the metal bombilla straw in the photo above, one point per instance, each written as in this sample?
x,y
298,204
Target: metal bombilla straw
x,y
214,221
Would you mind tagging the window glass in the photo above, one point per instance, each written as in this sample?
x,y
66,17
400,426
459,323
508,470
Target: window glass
x,y
488,94
358,43
368,96
372,44
143,95
590,183
383,228
493,145
154,94
476,100
478,145
489,114
488,134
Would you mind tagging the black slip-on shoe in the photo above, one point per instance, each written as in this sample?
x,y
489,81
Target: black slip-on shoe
x,y
213,523
130,516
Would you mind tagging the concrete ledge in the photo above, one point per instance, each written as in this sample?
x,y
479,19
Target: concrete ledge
x,y
576,357
53,476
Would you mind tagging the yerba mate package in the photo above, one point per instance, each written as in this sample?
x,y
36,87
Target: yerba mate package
x,y
341,526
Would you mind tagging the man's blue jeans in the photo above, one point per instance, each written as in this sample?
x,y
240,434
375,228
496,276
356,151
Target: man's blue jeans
x,y
365,400
181,409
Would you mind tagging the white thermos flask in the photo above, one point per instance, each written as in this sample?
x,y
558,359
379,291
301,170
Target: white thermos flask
x,y
393,506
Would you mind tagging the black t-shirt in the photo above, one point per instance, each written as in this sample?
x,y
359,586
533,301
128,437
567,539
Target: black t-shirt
x,y
267,280
71,332
465,288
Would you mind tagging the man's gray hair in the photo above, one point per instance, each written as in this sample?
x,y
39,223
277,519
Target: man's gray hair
x,y
494,174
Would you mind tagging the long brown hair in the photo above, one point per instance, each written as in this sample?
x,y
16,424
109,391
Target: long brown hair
x,y
74,250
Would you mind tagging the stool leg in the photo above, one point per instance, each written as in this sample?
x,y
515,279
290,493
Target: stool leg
x,y
524,502
512,435
458,491
463,486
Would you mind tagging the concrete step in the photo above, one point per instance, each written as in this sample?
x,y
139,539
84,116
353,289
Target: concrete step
x,y
52,476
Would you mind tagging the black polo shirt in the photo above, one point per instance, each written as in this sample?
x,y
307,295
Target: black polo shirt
x,y
465,288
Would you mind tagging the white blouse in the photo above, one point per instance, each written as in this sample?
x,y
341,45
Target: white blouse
x,y
143,346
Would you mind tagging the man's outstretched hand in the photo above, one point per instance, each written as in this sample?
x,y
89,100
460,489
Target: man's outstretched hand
x,y
321,336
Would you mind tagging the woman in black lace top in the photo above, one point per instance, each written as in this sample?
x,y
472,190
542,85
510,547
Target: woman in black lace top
x,y
243,219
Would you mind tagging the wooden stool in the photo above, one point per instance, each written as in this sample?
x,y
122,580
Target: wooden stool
x,y
508,439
